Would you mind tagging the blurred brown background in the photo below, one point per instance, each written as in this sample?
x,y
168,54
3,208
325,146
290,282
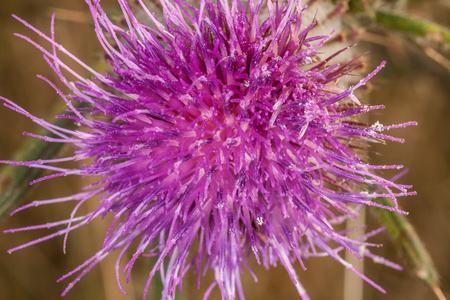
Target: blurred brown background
x,y
412,86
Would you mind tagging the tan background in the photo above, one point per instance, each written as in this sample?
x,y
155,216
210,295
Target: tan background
x,y
412,87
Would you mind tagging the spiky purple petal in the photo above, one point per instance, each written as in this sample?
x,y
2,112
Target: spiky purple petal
x,y
214,126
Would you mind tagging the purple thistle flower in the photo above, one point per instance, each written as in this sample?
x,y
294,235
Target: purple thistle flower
x,y
220,128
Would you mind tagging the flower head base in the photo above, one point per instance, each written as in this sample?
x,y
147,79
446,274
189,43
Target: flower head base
x,y
220,126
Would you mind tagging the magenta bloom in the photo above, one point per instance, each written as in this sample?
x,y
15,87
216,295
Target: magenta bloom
x,y
217,127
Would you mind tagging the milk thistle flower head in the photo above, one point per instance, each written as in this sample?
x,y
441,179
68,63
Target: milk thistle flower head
x,y
219,127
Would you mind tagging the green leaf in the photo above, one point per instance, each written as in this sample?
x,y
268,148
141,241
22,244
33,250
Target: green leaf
x,y
15,179
409,242
412,25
